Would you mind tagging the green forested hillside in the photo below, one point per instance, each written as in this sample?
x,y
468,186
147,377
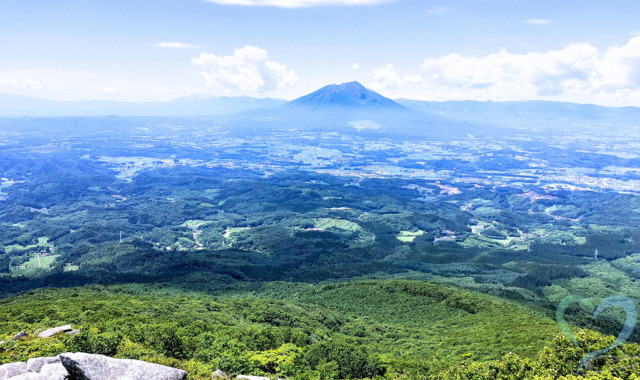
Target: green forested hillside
x,y
436,321
314,255
390,329
206,228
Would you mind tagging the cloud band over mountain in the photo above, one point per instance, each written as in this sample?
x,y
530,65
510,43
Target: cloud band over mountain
x,y
579,72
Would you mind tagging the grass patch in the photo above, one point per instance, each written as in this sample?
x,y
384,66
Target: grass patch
x,y
409,236
195,224
327,223
232,230
34,264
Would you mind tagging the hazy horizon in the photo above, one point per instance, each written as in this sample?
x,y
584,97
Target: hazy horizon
x,y
584,52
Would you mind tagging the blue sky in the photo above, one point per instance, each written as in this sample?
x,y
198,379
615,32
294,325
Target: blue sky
x,y
137,50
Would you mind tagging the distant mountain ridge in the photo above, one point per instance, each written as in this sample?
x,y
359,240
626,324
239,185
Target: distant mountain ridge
x,y
18,106
348,107
539,114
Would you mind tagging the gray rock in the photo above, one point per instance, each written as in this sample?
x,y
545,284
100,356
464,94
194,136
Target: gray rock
x,y
74,332
19,335
51,332
59,373
54,371
219,375
30,376
10,370
81,366
36,364
37,331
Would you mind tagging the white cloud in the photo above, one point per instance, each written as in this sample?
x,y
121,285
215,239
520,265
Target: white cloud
x,y
355,67
578,72
110,90
538,21
386,77
28,84
177,45
9,82
31,84
248,69
297,3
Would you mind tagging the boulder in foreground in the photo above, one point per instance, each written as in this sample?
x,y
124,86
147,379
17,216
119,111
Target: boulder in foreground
x,y
36,364
82,366
10,370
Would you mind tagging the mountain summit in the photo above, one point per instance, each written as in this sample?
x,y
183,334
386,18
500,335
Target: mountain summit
x,y
345,95
350,108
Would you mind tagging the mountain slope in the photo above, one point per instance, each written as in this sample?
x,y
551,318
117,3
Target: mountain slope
x,y
400,321
350,108
346,95
404,329
532,114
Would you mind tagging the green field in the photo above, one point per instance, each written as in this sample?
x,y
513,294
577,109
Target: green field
x,y
195,224
328,223
232,230
409,236
34,264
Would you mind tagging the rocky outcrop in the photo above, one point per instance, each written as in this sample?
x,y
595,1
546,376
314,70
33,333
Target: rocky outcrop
x,y
36,364
98,367
56,330
81,366
52,371
10,370
67,329
34,369
219,375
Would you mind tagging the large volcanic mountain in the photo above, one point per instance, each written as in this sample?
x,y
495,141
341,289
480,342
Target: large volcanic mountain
x,y
346,95
349,107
